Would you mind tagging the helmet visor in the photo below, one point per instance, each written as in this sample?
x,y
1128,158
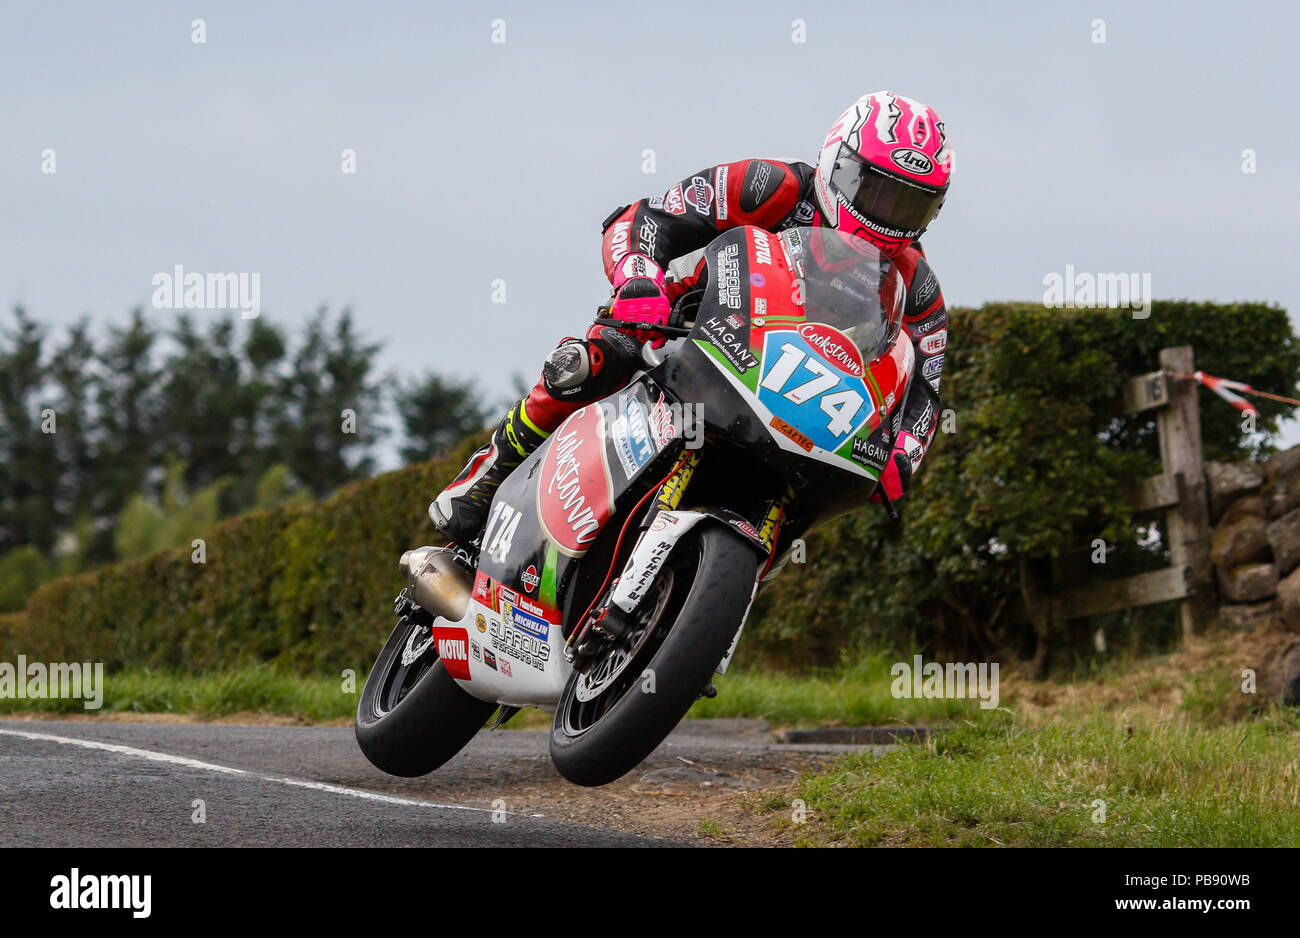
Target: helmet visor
x,y
895,206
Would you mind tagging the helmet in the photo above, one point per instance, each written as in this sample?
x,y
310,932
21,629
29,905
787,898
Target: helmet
x,y
883,171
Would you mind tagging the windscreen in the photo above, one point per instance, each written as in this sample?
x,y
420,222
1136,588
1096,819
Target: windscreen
x,y
847,283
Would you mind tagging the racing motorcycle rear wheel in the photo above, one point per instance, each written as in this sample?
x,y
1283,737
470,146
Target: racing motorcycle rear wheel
x,y
614,713
412,717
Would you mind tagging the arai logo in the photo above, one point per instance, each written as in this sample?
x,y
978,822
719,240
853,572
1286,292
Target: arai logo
x,y
530,578
914,161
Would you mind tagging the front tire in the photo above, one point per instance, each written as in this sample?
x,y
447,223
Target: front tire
x,y
710,580
412,716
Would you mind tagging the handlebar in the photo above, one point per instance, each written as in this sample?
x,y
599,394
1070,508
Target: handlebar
x,y
888,504
642,326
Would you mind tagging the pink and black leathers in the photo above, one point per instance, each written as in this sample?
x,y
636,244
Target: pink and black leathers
x,y
639,241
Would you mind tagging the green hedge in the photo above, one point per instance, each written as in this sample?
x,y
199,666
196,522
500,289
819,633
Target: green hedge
x,y
309,586
1037,466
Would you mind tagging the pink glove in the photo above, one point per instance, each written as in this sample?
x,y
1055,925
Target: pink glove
x,y
896,478
639,297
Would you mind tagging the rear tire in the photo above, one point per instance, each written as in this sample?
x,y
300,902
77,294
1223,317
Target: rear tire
x,y
596,741
413,717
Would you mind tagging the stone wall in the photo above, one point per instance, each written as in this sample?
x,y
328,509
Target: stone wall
x,y
1255,546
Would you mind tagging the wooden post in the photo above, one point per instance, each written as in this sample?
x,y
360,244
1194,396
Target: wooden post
x,y
1188,522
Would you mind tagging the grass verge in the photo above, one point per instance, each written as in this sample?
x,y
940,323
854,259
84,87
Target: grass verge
x,y
1089,782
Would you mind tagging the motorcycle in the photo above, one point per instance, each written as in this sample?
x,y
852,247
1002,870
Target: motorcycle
x,y
620,559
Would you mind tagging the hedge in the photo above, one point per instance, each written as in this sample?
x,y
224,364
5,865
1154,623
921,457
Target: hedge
x,y
1036,465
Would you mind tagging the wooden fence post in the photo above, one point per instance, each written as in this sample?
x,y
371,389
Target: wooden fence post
x,y
1180,491
1187,522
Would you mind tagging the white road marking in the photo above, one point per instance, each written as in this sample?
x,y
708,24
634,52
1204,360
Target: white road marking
x,y
228,770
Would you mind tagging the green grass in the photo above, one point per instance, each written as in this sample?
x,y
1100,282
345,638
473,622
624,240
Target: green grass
x,y
251,689
857,693
997,781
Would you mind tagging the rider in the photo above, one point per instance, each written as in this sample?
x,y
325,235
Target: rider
x,y
882,175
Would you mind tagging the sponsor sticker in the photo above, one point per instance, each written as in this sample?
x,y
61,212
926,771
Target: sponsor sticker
x,y
530,580
933,367
733,344
482,587
632,442
914,161
480,623
673,203
728,273
928,288
700,195
510,639
505,668
834,346
784,428
661,422
453,648
534,625
618,242
934,343
574,491
869,453
721,178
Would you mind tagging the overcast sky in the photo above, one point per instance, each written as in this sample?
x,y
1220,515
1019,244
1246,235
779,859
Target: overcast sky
x,y
479,160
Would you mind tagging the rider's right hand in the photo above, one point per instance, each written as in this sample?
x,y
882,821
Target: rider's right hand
x,y
639,296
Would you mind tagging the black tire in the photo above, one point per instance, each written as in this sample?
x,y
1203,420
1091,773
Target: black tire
x,y
597,741
413,717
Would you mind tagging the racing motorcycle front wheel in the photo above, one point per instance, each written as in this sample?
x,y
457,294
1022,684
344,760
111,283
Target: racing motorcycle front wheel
x,y
615,712
412,717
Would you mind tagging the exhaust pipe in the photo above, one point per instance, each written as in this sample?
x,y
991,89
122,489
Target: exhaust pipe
x,y
439,585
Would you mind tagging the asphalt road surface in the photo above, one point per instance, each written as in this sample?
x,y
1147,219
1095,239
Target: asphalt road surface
x,y
80,784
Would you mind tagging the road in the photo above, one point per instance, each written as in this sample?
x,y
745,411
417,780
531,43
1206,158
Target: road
x,y
103,783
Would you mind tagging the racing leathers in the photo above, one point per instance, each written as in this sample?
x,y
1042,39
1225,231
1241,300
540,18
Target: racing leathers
x,y
661,234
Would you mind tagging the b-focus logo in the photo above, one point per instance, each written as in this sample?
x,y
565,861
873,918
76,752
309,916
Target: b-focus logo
x,y
212,291
1085,290
953,681
59,681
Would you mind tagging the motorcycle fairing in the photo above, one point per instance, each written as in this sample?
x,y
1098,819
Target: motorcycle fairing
x,y
805,379
544,517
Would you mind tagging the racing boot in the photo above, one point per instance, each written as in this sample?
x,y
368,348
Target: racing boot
x,y
577,372
461,510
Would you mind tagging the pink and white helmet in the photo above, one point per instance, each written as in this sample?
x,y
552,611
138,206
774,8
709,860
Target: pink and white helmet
x,y
884,169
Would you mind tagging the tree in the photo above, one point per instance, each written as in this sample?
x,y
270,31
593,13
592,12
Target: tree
x,y
28,487
436,414
73,382
331,404
128,456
